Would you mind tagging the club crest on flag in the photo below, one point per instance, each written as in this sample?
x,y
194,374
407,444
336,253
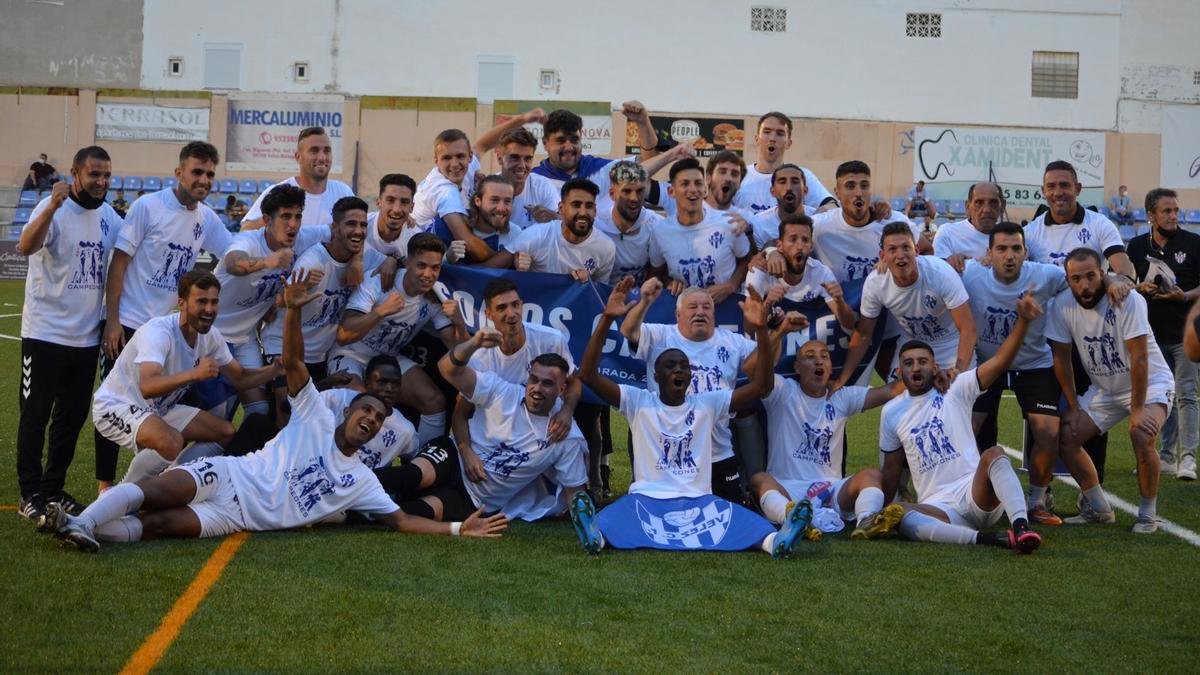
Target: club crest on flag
x,y
690,528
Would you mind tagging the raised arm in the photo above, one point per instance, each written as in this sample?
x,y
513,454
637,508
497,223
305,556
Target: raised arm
x,y
33,235
356,325
631,327
489,139
989,371
453,365
762,380
635,112
240,263
249,378
589,368
153,383
460,230
297,292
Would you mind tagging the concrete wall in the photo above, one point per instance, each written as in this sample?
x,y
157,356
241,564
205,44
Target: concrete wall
x,y
72,44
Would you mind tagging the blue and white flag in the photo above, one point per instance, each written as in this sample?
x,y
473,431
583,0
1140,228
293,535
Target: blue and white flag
x,y
706,523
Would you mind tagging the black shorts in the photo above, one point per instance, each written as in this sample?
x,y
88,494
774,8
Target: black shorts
x,y
727,480
1037,392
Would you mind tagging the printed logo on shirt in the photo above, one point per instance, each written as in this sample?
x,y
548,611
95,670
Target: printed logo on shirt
x,y
175,264
1058,257
104,227
688,528
1180,256
925,327
815,445
1103,356
723,354
829,411
999,323
331,308
197,231
700,272
347,480
676,454
388,438
858,268
716,239
266,289
933,446
90,273
1084,236
308,485
929,301
389,337
705,378
504,459
589,265
369,458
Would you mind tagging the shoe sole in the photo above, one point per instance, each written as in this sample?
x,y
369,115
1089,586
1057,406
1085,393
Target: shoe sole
x,y
1048,519
885,521
1027,543
56,516
799,516
582,507
1185,478
80,541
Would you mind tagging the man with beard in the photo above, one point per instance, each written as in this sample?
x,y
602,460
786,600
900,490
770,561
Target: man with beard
x,y
305,474
723,173
959,490
1168,296
535,198
564,150
66,241
967,239
314,159
804,278
570,246
1129,377
156,246
138,404
490,219
628,223
772,138
789,190
377,323
395,204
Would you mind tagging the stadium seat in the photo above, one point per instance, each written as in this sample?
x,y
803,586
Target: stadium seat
x,y
211,200
152,184
21,216
1139,215
248,186
958,208
1104,212
942,206
116,183
14,233
229,185
28,198
898,203
133,182
170,182
1192,216
265,184
112,195
1127,232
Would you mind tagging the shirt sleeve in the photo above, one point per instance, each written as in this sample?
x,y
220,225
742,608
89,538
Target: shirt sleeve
x,y
950,286
52,229
966,387
561,348
154,345
526,241
307,404
870,304
1109,237
437,318
1132,318
607,257
850,400
779,394
365,296
488,389
824,275
650,336
134,231
219,352
718,401
570,469
631,400
255,212
888,440
449,200
372,259
1056,327
941,243
371,497
741,246
216,235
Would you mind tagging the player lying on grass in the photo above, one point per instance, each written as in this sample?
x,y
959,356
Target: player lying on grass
x,y
959,490
806,447
308,472
670,504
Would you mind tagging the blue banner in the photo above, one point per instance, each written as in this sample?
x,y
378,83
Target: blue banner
x,y
705,523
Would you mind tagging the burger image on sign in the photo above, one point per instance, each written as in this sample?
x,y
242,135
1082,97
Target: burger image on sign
x,y
729,135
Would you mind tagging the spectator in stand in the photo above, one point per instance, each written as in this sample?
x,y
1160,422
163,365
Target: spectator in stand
x,y
1122,211
120,205
919,204
41,175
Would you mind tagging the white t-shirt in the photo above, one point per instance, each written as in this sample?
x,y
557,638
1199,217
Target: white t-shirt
x,y
1051,243
809,287
394,332
246,299
960,237
922,309
714,362
994,306
935,432
701,255
64,286
1099,335
851,252
160,340
319,319
514,367
396,438
511,443
804,434
318,208
551,253
539,191
766,224
301,477
375,241
673,449
755,193
437,196
162,239
632,247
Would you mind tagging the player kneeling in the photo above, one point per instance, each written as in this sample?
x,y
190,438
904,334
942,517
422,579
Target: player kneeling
x,y
306,473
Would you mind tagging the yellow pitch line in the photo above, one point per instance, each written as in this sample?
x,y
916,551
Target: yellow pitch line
x,y
8,507
148,655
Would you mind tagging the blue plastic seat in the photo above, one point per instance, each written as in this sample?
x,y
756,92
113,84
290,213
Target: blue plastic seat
x,y
958,208
111,196
1192,216
116,183
212,199
265,184
170,182
28,198
133,182
1127,232
898,203
1139,215
229,185
248,186
21,216
152,184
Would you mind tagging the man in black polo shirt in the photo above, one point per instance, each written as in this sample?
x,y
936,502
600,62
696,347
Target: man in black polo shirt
x,y
1167,259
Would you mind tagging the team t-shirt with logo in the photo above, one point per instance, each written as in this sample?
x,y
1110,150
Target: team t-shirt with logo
x,y
301,477
960,238
394,332
851,252
514,367
1050,243
64,285
1099,335
318,208
632,247
922,309
994,307
539,191
804,433
700,255
375,240
162,238
396,438
673,445
755,192
808,288
512,444
934,431
159,340
550,252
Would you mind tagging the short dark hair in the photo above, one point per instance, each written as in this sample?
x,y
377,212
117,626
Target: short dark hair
x,y
776,115
797,218
853,166
1084,253
205,152
1006,227
399,180
896,227
786,166
448,136
365,394
1156,194
309,131
578,184
725,157
497,286
425,242
379,361
552,360
561,120
202,279
346,204
915,344
520,136
90,152
971,190
685,164
1061,165
281,196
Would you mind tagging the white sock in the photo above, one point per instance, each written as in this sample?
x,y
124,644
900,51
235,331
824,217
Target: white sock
x,y
116,502
1036,498
920,527
1148,508
197,451
1008,488
768,542
430,427
774,506
124,529
147,463
1097,499
869,502
255,408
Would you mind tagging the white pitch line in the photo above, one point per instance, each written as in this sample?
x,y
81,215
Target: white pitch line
x,y
9,316
1118,503
10,337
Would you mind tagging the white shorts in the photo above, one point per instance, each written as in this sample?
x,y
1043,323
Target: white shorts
x,y
119,422
962,509
1106,410
805,489
216,503
355,362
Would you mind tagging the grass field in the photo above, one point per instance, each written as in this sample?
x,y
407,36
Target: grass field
x,y
364,599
